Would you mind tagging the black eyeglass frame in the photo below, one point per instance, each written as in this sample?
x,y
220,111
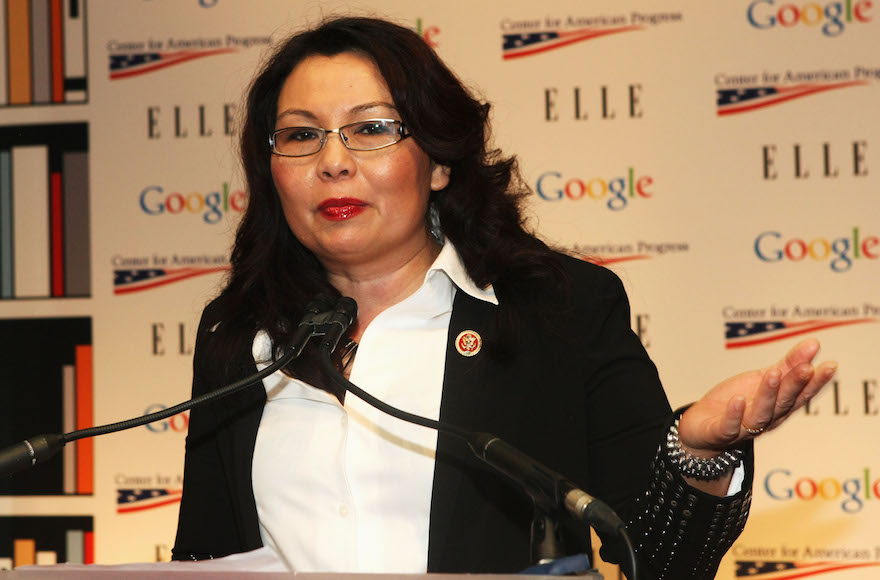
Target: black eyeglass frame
x,y
400,131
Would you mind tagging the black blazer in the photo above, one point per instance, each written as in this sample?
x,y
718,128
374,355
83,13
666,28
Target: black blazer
x,y
589,406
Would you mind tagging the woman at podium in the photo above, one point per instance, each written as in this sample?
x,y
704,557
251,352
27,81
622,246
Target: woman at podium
x,y
371,176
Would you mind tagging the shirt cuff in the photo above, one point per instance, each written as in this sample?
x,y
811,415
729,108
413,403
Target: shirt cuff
x,y
736,480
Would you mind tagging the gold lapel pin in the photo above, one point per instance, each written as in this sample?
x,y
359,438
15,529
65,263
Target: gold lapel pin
x,y
468,343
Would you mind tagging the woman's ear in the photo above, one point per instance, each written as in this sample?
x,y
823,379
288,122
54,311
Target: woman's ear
x,y
439,176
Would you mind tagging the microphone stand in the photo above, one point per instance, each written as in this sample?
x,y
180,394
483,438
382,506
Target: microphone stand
x,y
546,542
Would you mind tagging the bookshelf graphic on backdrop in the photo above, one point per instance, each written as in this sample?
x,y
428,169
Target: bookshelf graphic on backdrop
x,y
43,52
48,390
46,540
44,211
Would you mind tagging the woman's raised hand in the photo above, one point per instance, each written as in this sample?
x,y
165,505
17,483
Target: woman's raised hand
x,y
746,405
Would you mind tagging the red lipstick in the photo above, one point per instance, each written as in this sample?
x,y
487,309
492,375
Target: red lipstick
x,y
341,208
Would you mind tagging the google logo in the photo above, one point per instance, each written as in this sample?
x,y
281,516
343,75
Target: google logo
x,y
853,492
831,17
839,252
618,191
212,206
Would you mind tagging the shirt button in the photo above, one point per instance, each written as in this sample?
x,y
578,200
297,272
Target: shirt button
x,y
343,510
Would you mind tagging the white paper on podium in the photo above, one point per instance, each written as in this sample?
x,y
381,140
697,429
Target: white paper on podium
x,y
261,564
262,561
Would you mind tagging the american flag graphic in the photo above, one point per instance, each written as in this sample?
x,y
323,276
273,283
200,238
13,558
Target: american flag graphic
x,y
789,570
135,500
525,44
133,64
125,281
739,334
742,100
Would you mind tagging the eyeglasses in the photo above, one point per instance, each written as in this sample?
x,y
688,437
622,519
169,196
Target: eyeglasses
x,y
361,136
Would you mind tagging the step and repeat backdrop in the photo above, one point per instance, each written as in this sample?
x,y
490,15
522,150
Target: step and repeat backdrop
x,y
721,158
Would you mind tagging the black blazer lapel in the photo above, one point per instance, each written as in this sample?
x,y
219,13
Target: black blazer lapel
x,y
456,407
467,522
479,521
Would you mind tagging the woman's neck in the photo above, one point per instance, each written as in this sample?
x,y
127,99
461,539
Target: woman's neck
x,y
378,285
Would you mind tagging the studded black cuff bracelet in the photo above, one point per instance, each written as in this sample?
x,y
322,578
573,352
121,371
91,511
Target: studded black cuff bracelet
x,y
698,467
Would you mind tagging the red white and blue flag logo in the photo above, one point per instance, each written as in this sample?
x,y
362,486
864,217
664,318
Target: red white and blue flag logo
x,y
126,281
753,333
135,500
789,570
138,63
745,99
529,43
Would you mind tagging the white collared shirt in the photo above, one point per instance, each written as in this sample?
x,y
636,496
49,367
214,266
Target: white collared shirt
x,y
348,488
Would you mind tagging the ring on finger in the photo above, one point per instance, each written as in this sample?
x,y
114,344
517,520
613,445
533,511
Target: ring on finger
x,y
751,431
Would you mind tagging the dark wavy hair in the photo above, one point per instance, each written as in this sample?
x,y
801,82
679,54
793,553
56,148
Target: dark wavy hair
x,y
273,275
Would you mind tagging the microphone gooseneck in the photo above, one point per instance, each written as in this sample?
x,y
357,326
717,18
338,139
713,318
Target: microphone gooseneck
x,y
303,332
39,448
548,490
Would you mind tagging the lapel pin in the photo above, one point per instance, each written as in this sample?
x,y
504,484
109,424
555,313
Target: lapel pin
x,y
468,343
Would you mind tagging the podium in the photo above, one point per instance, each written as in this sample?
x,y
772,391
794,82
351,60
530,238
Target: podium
x,y
62,572
260,564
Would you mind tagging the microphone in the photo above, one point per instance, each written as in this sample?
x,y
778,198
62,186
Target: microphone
x,y
39,448
29,452
306,327
343,315
549,490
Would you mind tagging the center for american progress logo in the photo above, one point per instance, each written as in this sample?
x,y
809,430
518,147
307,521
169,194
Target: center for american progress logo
x,y
746,92
606,254
128,58
131,500
754,326
791,569
140,273
531,36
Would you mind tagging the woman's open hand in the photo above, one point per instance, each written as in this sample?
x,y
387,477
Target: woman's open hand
x,y
750,403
